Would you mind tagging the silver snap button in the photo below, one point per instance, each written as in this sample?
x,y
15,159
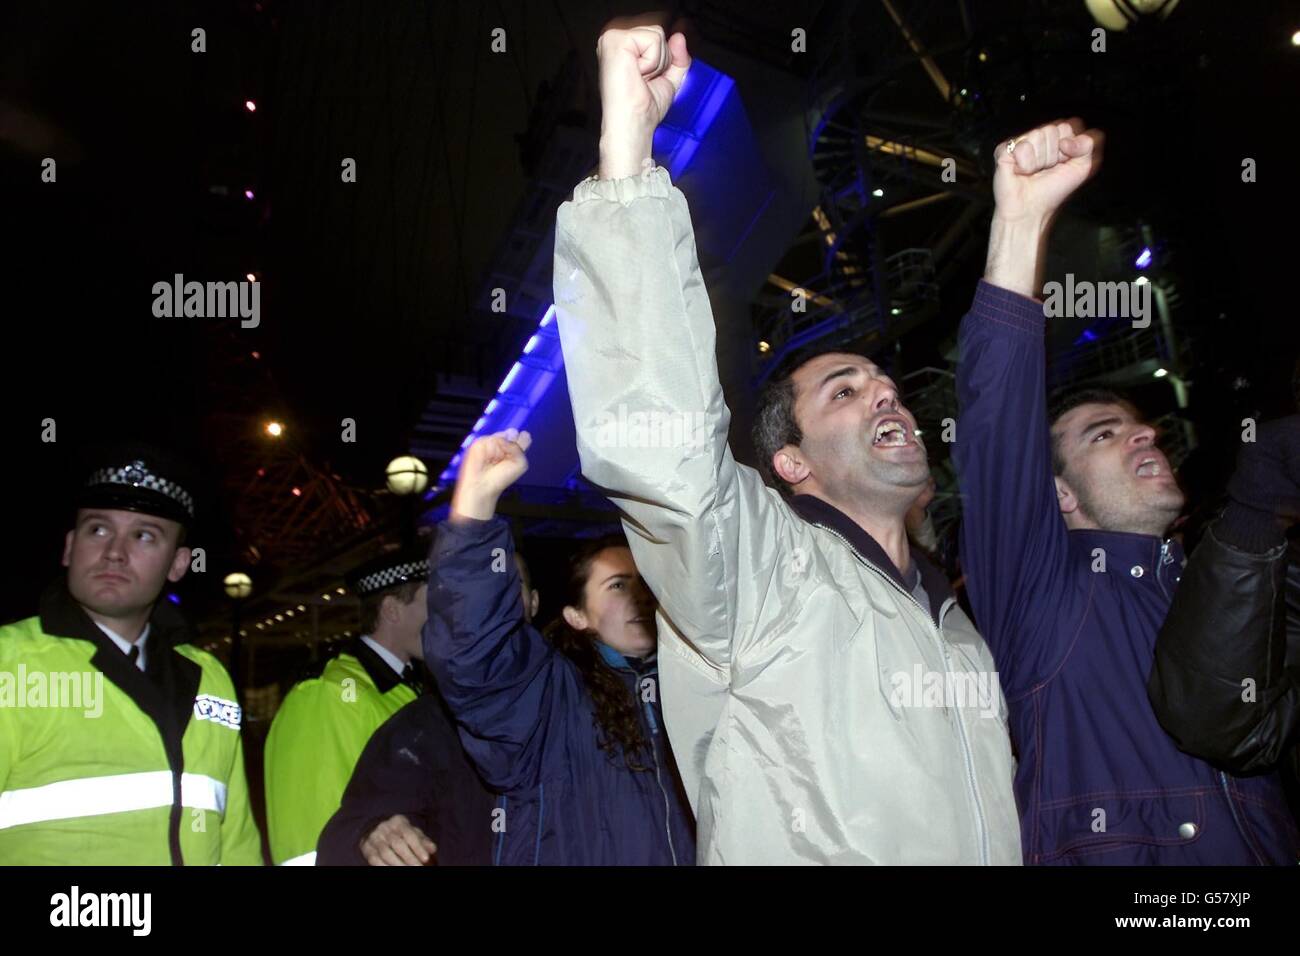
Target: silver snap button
x,y
1136,571
1187,830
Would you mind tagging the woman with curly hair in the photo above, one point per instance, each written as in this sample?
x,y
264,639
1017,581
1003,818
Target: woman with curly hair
x,y
567,728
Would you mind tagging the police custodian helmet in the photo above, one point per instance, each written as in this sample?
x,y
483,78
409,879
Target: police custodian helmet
x,y
138,477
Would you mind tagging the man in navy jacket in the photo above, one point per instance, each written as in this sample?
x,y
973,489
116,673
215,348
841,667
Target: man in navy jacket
x,y
1069,573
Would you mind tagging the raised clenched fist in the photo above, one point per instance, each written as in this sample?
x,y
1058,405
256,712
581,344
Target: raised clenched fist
x,y
491,465
1037,170
641,71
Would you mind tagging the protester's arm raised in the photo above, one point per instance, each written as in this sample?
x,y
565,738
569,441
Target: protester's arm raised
x,y
638,337
504,682
1014,540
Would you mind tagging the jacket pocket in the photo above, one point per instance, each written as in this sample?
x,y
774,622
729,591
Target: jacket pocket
x,y
1084,829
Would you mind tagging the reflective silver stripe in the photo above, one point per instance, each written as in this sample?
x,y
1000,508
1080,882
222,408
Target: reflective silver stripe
x,y
307,859
120,793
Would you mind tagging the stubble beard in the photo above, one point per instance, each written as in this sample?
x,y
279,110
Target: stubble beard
x,y
1134,514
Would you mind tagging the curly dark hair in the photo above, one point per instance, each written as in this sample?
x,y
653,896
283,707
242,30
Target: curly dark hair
x,y
615,711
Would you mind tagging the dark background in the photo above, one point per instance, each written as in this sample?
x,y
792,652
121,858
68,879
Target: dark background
x,y
368,289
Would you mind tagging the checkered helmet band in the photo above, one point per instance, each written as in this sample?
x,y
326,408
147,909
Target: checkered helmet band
x,y
392,576
137,475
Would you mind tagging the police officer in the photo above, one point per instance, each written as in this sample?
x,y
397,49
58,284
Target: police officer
x,y
119,740
415,797
326,719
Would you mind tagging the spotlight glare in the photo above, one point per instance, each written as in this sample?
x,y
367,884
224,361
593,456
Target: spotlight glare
x,y
1144,258
250,106
1160,372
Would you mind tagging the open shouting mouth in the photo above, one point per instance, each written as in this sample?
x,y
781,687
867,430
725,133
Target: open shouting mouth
x,y
892,432
1152,464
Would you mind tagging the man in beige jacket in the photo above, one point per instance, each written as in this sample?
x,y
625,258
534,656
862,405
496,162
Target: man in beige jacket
x,y
827,699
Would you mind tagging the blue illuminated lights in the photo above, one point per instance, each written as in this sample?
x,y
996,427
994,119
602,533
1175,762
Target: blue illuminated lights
x,y
1144,258
511,375
703,94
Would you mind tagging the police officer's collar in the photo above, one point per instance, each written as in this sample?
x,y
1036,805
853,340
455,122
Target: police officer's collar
x,y
388,657
165,690
376,667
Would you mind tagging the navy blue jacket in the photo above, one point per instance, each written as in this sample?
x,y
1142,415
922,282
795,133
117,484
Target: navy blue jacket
x,y
414,765
1099,781
527,722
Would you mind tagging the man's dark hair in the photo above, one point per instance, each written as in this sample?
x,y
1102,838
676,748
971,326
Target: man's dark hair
x,y
774,421
774,426
370,603
1066,400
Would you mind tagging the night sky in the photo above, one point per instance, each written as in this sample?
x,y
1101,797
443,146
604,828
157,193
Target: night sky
x,y
369,289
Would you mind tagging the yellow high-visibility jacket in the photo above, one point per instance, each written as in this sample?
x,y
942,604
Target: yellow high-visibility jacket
x,y
315,741
104,764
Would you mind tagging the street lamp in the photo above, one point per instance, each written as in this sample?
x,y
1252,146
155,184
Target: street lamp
x,y
407,479
407,475
1118,14
238,586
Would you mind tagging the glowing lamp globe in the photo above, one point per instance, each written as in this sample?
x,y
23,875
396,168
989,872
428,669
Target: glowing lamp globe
x,y
1118,14
407,476
238,585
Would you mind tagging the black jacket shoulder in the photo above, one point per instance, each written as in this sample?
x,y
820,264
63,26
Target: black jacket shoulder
x,y
1224,683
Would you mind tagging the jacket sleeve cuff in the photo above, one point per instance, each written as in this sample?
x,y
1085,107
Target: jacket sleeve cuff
x,y
654,182
999,306
1248,529
465,533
